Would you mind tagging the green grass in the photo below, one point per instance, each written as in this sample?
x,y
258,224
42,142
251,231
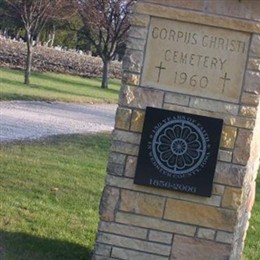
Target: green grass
x,y
50,193
55,87
252,245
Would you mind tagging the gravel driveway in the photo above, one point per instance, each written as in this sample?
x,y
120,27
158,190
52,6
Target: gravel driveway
x,y
30,120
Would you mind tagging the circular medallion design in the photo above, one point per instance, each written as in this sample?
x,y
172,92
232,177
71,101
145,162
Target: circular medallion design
x,y
179,147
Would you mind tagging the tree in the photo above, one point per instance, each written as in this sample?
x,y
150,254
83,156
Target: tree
x,y
62,32
106,24
34,15
10,27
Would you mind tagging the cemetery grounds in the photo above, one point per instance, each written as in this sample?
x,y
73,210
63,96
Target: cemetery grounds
x,y
50,188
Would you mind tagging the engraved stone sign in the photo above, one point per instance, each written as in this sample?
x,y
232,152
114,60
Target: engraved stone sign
x,y
190,79
178,151
195,59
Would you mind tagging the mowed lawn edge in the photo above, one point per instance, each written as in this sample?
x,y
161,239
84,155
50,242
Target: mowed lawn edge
x,y
52,87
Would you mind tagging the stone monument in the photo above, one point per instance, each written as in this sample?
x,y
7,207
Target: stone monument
x,y
181,174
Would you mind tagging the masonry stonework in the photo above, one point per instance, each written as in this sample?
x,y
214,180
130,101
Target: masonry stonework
x,y
139,222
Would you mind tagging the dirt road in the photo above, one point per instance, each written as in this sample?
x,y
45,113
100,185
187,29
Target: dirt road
x,y
31,120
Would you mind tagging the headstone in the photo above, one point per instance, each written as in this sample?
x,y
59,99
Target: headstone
x,y
181,174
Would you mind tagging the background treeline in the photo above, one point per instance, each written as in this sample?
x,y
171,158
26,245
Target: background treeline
x,y
98,27
67,33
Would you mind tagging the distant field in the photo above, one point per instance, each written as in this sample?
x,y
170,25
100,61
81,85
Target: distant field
x,y
55,87
49,199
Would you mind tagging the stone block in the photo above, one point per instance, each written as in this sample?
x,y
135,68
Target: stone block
x,y
192,248
141,203
137,121
248,111
135,44
139,19
197,17
137,32
115,169
127,137
229,120
225,156
119,229
155,224
134,244
253,64
102,250
232,198
255,46
133,61
108,204
130,166
164,70
228,137
123,118
202,215
239,122
252,82
183,109
250,99
161,237
130,78
213,200
125,254
225,237
137,97
127,183
229,174
244,9
215,106
120,182
242,147
125,148
218,189
193,5
206,233
117,158
177,99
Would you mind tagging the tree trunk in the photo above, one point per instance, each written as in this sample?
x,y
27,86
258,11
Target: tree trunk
x,y
105,74
28,64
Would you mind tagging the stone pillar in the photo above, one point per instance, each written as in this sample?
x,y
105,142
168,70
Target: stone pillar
x,y
139,222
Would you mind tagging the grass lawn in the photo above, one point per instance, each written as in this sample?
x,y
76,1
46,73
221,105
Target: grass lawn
x,y
55,87
50,193
252,245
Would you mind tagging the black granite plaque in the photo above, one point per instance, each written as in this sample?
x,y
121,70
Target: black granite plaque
x,y
178,151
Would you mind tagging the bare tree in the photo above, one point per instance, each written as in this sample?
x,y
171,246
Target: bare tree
x,y
106,24
34,15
